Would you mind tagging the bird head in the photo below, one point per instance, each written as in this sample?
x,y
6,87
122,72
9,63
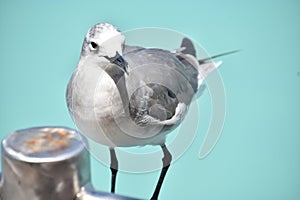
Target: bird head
x,y
105,43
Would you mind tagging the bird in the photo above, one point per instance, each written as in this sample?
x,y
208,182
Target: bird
x,y
123,96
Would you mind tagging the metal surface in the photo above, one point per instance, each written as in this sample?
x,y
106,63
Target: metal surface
x,y
43,163
88,193
47,163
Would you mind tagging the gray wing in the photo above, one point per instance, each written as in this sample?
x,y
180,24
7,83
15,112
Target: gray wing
x,y
188,46
168,81
184,64
69,94
131,49
152,100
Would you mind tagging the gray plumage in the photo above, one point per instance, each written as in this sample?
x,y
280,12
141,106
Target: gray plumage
x,y
157,100
124,96
139,108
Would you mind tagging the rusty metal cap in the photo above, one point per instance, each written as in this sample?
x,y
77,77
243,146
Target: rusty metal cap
x,y
43,144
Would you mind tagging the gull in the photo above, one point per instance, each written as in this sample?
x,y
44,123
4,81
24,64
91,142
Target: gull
x,y
123,96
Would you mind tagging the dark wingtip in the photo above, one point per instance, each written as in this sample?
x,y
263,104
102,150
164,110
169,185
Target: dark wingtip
x,y
218,55
188,47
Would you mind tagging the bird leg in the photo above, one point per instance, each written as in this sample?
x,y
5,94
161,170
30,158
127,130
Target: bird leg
x,y
166,164
113,168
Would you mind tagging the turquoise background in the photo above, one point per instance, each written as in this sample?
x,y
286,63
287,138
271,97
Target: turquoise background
x,y
258,154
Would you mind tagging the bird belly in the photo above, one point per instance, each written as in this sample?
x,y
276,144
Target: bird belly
x,y
97,111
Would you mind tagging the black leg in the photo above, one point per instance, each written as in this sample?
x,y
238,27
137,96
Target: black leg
x,y
166,164
113,168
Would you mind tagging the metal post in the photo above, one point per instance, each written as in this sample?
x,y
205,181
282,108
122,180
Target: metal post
x,y
47,163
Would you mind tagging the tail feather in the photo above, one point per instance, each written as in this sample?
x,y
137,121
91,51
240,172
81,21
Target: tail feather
x,y
204,66
205,69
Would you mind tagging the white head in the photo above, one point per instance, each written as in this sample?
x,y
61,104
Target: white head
x,y
105,42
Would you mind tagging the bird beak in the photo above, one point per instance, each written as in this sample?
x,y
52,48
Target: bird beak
x,y
119,61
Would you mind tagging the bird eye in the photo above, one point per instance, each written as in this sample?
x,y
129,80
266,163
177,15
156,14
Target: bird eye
x,y
94,45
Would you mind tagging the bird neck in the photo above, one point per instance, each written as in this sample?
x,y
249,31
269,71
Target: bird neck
x,y
118,77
